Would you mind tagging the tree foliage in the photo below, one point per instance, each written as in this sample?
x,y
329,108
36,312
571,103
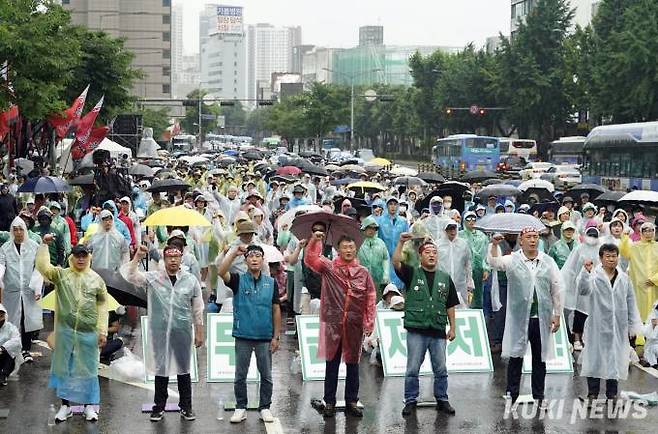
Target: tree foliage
x,y
158,119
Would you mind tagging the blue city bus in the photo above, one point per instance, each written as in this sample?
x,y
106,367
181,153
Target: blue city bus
x,y
622,157
460,153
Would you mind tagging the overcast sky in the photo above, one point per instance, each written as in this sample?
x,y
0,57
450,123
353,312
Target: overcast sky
x,y
335,23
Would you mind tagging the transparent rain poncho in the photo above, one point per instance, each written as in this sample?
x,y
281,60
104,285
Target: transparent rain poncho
x,y
613,315
570,271
20,280
347,306
80,316
454,257
110,249
172,311
374,256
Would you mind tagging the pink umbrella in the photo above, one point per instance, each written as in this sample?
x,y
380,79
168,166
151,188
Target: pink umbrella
x,y
288,170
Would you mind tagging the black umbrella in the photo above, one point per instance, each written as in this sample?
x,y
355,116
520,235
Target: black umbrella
x,y
343,181
337,226
141,170
492,181
593,190
309,154
349,161
357,202
226,161
544,206
431,177
124,292
83,180
478,176
497,190
168,185
315,170
540,194
252,155
453,189
609,197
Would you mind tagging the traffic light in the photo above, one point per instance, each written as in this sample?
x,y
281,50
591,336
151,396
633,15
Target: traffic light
x,y
386,98
482,112
265,102
190,103
227,103
449,111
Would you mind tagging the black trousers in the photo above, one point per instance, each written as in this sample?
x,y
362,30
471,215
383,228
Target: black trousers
x,y
331,380
184,390
26,337
111,347
7,364
515,365
579,319
594,387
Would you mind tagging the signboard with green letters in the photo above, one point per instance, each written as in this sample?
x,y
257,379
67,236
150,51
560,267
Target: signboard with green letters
x,y
308,333
221,350
468,352
561,361
194,367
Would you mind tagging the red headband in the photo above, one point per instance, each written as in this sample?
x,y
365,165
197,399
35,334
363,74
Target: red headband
x,y
172,252
528,230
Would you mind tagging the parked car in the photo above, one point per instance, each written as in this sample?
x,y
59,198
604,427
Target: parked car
x,y
511,165
563,177
534,170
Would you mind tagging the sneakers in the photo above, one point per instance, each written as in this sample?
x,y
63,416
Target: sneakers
x,y
329,410
64,413
577,346
352,409
187,414
445,407
409,408
266,415
239,415
90,414
27,357
156,415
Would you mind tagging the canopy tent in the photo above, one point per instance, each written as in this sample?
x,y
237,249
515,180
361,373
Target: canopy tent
x,y
66,163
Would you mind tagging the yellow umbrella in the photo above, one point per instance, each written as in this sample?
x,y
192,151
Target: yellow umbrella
x,y
176,216
379,162
365,185
49,302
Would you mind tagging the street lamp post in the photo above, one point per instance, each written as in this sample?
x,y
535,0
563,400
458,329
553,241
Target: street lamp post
x,y
351,77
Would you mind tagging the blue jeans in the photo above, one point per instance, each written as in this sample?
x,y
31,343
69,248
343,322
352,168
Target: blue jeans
x,y
417,346
243,350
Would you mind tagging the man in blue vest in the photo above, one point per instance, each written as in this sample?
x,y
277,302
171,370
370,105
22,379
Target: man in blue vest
x,y
429,307
256,326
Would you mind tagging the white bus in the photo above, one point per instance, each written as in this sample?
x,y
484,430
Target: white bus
x,y
524,148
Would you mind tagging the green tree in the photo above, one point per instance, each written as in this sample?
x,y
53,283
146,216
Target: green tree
x,y
257,122
626,61
286,118
529,76
426,72
105,65
41,51
578,77
235,116
158,119
326,107
190,123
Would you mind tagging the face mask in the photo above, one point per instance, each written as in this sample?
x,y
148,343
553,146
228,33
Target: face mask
x,y
447,205
591,241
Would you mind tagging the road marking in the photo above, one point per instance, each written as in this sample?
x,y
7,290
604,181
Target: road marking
x,y
649,371
274,427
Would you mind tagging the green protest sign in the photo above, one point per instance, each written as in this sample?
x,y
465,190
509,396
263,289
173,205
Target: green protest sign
x,y
194,368
308,334
221,350
561,361
469,352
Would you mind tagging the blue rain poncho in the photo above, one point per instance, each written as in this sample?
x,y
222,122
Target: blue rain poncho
x,y
390,229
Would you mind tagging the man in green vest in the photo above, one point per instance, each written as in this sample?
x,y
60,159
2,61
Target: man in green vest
x,y
430,303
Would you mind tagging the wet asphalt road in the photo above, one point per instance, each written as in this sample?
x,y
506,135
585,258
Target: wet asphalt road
x,y
476,398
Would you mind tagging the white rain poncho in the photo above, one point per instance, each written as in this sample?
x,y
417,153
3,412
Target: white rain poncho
x,y
435,224
20,281
651,338
172,311
10,337
613,315
521,280
570,271
109,249
454,257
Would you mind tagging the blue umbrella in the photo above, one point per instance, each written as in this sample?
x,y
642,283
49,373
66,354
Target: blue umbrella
x,y
343,181
44,184
231,152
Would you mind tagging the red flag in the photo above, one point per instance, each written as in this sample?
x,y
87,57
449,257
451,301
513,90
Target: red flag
x,y
63,123
86,123
79,149
6,118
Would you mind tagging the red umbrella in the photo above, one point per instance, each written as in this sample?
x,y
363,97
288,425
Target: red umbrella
x,y
288,170
337,226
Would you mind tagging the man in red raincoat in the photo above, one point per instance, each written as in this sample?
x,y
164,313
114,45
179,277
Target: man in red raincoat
x,y
347,313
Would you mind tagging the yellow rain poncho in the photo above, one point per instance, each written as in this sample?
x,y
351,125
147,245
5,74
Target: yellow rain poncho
x,y
81,315
643,266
